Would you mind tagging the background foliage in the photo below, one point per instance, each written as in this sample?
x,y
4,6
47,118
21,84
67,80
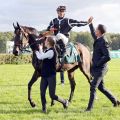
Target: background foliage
x,y
11,59
82,37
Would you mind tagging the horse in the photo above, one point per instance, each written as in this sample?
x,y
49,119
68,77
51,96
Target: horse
x,y
29,34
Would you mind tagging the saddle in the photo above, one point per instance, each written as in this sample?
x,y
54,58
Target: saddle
x,y
70,55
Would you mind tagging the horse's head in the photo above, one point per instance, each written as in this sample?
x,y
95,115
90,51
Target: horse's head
x,y
24,36
17,40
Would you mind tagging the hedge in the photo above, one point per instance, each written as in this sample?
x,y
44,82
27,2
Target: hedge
x,y
11,59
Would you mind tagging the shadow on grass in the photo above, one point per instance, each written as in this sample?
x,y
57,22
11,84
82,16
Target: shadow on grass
x,y
12,85
9,103
28,111
25,85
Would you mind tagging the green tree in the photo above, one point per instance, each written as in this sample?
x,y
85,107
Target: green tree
x,y
5,36
85,38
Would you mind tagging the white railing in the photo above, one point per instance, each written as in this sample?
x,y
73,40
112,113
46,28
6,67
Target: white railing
x,y
115,54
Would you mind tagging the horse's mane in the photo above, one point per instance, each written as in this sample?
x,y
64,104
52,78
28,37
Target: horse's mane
x,y
31,29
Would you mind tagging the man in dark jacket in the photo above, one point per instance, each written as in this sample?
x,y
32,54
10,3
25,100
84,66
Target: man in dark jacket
x,y
48,73
99,66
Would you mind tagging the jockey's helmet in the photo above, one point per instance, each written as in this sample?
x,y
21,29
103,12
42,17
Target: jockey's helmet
x,y
61,8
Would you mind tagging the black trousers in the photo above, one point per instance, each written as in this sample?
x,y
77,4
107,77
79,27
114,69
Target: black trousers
x,y
51,83
98,82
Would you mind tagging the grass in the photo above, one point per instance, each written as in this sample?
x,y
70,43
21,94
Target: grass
x,y
15,106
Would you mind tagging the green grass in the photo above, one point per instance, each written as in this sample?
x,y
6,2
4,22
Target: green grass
x,y
15,106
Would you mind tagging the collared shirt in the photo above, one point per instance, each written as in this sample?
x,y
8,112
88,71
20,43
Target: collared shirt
x,y
48,67
100,36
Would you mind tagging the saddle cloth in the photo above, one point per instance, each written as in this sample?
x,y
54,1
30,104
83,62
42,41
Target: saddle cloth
x,y
71,55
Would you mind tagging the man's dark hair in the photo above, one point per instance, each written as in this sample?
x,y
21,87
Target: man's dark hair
x,y
102,28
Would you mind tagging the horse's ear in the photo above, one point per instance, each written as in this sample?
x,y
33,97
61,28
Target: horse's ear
x,y
18,25
14,25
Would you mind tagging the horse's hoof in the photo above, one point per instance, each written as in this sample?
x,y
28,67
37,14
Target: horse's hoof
x,y
52,103
69,101
32,104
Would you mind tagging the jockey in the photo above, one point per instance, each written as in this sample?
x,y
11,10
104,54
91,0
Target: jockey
x,y
62,27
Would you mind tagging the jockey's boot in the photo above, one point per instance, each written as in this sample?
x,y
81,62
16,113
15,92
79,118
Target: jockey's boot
x,y
63,49
62,52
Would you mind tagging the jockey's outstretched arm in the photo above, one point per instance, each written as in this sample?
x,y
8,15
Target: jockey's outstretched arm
x,y
74,23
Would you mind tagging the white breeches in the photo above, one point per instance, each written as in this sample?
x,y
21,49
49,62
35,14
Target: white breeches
x,y
62,37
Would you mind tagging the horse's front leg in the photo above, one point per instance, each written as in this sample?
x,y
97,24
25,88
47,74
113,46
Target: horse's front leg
x,y
31,82
72,84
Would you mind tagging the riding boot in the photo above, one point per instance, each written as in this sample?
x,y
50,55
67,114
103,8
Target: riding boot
x,y
63,50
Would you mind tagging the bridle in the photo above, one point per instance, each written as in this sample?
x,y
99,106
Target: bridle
x,y
19,43
37,41
23,32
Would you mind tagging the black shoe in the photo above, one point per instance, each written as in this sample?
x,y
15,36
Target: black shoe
x,y
116,104
65,105
88,110
44,110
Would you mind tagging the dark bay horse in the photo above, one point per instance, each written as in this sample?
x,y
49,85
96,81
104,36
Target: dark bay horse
x,y
29,35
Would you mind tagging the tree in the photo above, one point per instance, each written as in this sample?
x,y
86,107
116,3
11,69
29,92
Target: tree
x,y
115,41
85,38
5,36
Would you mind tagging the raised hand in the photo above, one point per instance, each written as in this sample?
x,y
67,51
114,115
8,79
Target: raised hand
x,y
90,20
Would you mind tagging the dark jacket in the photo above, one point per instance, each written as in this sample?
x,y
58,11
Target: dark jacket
x,y
49,65
100,51
64,25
